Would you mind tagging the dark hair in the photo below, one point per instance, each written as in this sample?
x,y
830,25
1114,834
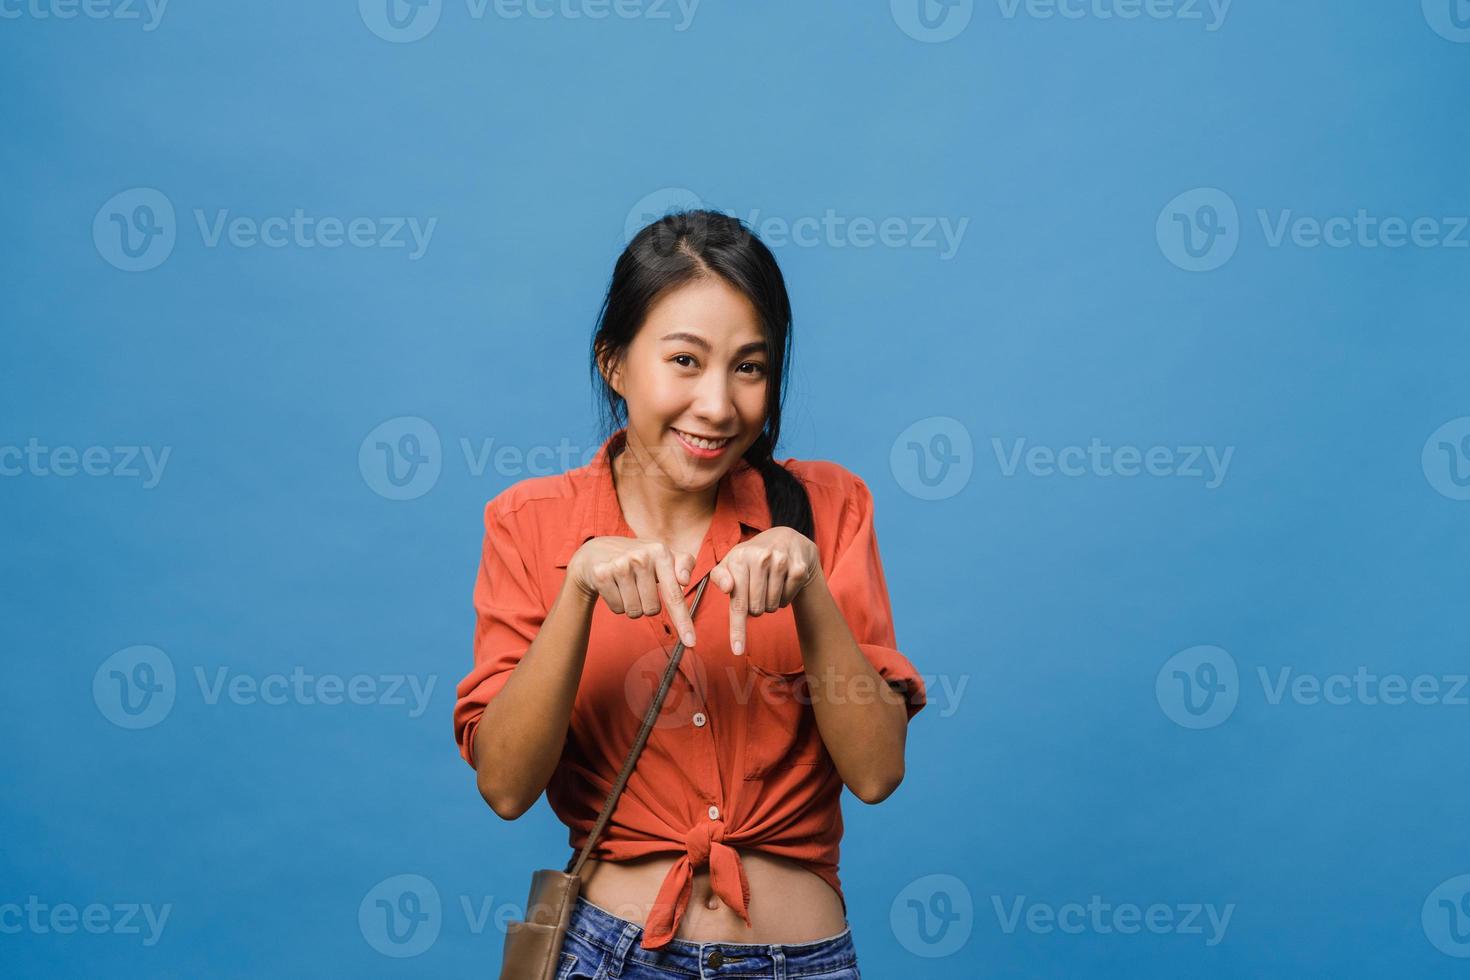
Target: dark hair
x,y
684,247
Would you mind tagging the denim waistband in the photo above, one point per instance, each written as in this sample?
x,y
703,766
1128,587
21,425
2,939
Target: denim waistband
x,y
621,939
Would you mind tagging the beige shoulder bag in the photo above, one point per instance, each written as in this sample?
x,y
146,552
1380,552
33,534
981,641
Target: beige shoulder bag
x,y
533,946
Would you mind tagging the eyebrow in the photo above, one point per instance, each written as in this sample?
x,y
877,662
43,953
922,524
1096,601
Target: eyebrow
x,y
750,348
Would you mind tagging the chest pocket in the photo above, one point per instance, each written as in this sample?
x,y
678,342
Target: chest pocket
x,y
781,727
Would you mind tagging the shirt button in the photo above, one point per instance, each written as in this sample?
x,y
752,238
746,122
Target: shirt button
x,y
714,813
699,719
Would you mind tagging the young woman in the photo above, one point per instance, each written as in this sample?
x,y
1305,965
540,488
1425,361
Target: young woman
x,y
720,858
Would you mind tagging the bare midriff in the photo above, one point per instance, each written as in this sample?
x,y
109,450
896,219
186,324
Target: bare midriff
x,y
788,903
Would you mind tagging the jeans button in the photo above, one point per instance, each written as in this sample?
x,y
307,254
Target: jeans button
x,y
716,959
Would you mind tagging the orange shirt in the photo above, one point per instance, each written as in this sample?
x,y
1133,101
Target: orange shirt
x,y
735,758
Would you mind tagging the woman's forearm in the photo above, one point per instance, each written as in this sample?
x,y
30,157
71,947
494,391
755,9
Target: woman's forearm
x,y
523,729
863,721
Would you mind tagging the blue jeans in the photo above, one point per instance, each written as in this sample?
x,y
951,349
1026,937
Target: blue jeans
x,y
600,945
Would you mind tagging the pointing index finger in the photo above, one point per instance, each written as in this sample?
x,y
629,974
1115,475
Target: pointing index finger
x,y
674,598
739,605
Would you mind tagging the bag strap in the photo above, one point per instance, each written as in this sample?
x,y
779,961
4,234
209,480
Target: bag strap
x,y
575,866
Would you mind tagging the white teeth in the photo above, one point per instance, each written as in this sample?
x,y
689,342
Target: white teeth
x,y
702,443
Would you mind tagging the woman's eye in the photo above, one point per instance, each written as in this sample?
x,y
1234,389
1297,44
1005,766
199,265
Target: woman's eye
x,y
754,368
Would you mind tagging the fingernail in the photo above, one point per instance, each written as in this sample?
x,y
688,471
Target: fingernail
x,y
689,639
738,646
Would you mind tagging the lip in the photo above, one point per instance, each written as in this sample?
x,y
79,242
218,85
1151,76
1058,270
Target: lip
x,y
699,453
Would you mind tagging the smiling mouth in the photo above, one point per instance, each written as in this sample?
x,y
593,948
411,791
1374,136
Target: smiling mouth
x,y
698,442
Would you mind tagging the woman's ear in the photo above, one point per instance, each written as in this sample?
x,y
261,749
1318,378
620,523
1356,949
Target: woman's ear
x,y
612,371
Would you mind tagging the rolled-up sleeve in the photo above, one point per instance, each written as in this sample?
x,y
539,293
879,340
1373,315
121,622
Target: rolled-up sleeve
x,y
857,584
508,614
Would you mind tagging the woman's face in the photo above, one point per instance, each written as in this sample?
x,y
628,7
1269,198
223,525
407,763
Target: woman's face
x,y
697,367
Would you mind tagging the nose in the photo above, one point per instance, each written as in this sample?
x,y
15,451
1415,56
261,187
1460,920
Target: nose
x,y
712,402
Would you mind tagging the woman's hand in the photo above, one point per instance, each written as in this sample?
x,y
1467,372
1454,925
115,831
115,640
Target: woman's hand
x,y
635,577
764,574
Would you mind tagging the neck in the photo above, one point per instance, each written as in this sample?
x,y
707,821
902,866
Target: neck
x,y
651,500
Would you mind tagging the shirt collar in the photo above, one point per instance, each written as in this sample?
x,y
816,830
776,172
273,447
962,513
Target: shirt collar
x,y
741,500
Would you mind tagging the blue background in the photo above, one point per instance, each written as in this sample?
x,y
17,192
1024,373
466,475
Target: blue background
x,y
1059,772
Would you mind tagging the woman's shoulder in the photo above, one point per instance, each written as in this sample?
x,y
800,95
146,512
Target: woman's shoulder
x,y
536,499
534,516
838,496
824,474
